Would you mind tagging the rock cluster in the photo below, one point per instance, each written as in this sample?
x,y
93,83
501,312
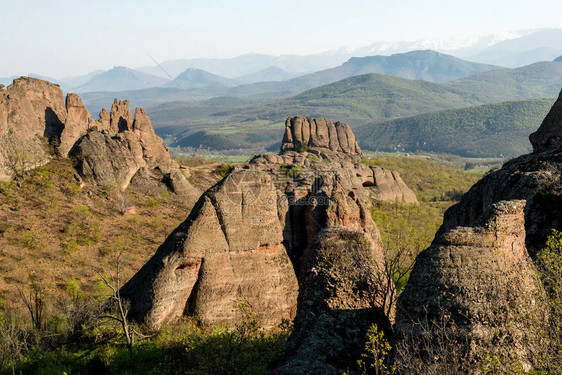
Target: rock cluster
x,y
115,150
124,151
246,238
304,132
480,287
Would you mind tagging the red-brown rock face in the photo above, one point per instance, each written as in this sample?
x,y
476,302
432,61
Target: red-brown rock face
x,y
121,118
230,247
32,113
78,122
304,132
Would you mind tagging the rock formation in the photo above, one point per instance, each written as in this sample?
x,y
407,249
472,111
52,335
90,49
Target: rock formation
x,y
229,248
112,151
339,299
32,113
477,284
246,236
77,123
134,154
478,287
535,177
304,132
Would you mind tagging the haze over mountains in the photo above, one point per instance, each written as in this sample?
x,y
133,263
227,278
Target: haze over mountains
x,y
225,104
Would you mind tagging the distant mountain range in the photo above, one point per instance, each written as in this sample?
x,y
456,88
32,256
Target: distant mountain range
x,y
356,100
193,78
543,45
121,78
426,65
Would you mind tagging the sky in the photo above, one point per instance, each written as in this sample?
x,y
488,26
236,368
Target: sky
x,y
58,38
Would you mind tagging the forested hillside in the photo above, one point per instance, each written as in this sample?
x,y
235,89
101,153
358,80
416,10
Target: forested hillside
x,y
491,130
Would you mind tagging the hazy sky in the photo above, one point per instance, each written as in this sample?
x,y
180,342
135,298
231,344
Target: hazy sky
x,y
61,38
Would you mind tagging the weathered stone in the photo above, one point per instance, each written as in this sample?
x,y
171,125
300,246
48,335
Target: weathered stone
x,y
229,248
153,150
108,161
121,118
305,132
339,298
389,186
32,113
477,287
78,122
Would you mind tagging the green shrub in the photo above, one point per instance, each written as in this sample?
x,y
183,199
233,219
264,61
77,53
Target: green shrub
x,y
225,170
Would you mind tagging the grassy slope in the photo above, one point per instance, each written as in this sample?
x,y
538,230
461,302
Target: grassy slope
x,y
48,211
491,130
53,231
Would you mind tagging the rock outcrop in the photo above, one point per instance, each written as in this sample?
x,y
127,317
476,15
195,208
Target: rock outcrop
x,y
230,248
304,132
535,177
32,113
112,151
339,298
78,122
478,288
371,182
133,154
242,232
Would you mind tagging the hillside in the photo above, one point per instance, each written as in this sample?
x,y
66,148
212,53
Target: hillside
x,y
356,100
491,130
121,78
540,80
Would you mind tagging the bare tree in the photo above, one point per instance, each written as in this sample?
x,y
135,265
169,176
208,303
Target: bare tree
x,y
114,285
35,304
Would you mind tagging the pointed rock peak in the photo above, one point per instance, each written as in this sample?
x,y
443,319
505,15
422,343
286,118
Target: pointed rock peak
x,y
73,100
142,122
121,118
550,132
104,115
306,132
